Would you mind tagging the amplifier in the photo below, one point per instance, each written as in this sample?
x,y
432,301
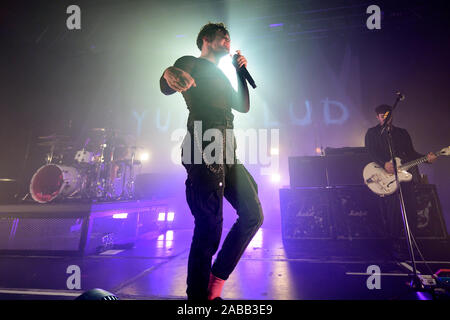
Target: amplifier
x,y
339,167
429,222
305,214
346,169
326,213
357,213
307,171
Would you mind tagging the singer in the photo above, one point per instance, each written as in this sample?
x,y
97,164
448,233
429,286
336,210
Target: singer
x,y
210,97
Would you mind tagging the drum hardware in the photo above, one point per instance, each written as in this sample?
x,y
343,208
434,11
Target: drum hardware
x,y
102,170
58,144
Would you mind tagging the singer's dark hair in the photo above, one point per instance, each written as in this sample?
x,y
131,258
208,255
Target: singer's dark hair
x,y
383,109
209,31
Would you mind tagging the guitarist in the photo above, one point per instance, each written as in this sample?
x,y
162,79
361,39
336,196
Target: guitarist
x,y
377,146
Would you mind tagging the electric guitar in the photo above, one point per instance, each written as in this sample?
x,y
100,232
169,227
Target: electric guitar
x,y
383,183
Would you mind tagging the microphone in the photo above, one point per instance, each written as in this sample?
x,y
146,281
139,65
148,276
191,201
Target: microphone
x,y
400,96
244,72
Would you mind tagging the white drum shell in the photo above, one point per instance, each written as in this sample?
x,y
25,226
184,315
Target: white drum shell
x,y
83,156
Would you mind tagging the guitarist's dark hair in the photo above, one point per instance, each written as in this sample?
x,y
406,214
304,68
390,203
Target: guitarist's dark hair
x,y
382,109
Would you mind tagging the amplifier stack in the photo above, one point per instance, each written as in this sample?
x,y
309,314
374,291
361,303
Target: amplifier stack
x,y
328,199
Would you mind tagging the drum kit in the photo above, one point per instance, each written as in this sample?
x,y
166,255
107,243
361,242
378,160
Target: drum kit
x,y
102,170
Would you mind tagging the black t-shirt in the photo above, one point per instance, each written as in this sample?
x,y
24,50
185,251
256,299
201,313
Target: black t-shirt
x,y
212,98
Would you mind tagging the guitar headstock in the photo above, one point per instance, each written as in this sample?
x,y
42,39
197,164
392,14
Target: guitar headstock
x,y
445,151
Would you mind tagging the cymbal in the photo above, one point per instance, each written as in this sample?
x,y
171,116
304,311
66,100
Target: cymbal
x,y
128,146
54,137
114,131
56,144
128,161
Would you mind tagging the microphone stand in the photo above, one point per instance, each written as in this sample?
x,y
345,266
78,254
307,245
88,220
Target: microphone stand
x,y
415,282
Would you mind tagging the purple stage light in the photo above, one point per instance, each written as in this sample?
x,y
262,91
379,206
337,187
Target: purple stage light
x,y
422,296
122,215
275,178
257,240
274,25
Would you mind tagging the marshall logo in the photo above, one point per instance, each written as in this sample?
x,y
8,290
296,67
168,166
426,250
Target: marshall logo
x,y
306,213
354,213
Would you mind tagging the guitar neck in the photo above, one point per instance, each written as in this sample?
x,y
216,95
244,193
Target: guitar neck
x,y
416,162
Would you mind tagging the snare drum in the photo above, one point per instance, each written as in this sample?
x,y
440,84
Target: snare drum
x,y
54,181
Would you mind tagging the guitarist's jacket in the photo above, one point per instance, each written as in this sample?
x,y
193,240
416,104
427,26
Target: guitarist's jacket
x,y
377,146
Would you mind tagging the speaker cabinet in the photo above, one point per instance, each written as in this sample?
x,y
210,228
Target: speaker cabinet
x,y
357,213
326,213
305,214
429,222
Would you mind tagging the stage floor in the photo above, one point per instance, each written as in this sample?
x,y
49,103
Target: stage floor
x,y
269,270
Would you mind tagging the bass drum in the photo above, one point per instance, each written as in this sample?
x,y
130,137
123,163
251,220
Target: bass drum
x,y
54,181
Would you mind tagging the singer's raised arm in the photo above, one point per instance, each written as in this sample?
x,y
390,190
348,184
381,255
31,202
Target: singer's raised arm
x,y
241,99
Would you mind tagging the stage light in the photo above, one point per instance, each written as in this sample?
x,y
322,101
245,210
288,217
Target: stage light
x,y
423,296
144,156
165,240
274,151
275,178
319,150
257,240
274,25
170,215
123,215
162,216
228,69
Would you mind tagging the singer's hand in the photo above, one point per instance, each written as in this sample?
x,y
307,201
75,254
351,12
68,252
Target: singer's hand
x,y
178,79
241,60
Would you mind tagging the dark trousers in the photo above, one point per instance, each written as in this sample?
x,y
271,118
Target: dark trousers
x,y
205,190
393,214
